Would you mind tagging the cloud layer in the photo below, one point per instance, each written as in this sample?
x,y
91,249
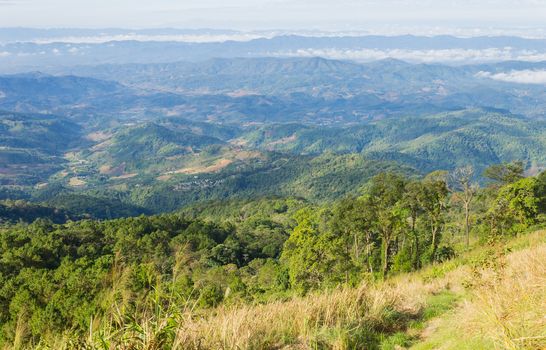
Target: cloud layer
x,y
517,76
426,56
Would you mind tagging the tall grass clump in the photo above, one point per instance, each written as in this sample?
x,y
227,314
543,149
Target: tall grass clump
x,y
509,301
342,318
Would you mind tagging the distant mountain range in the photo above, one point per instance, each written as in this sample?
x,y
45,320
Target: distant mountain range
x,y
140,138
22,50
247,90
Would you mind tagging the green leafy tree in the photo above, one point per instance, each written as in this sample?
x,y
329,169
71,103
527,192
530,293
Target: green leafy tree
x,y
386,193
413,201
314,257
434,203
505,173
515,207
353,219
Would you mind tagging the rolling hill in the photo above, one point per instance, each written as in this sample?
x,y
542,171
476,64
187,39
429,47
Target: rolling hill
x,y
480,137
32,146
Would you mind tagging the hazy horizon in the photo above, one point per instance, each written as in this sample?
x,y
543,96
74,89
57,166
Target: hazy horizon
x,y
347,15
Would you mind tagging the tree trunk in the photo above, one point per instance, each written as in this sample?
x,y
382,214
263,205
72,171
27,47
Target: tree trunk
x,y
357,255
368,262
386,258
415,252
467,223
434,243
416,263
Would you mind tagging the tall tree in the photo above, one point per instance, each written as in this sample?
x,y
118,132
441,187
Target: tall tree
x,y
386,193
312,256
413,201
353,219
515,207
462,179
434,198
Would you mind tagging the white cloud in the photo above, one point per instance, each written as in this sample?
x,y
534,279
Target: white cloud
x,y
426,56
205,37
517,76
4,54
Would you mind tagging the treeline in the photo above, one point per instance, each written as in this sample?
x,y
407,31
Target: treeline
x,y
65,278
57,277
12,211
401,224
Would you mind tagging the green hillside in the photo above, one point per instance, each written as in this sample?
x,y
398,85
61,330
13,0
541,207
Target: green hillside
x,y
173,162
267,203
141,146
441,141
391,267
32,146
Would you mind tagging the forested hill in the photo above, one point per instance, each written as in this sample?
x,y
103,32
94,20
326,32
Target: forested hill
x,y
477,137
161,166
133,281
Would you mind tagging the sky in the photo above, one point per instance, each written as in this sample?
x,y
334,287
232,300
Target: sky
x,y
272,14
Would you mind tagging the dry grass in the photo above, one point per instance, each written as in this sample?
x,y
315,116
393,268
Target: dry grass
x,y
509,305
164,177
244,155
282,141
99,136
299,323
111,170
506,306
344,318
124,176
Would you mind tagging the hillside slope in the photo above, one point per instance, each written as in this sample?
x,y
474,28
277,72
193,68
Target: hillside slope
x,y
495,299
32,146
493,296
480,137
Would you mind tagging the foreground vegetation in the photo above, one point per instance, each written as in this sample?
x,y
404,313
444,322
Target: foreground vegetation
x,y
273,273
491,295
494,298
504,304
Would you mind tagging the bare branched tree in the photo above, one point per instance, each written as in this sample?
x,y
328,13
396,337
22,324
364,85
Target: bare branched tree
x,y
465,190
